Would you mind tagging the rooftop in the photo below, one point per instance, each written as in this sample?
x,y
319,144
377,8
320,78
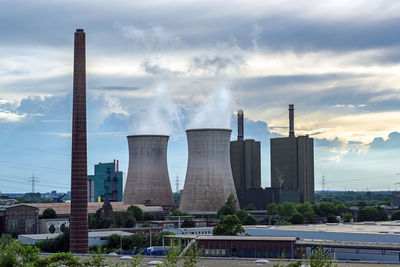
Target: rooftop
x,y
65,208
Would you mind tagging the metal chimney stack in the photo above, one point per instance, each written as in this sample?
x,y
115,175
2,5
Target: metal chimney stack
x,y
148,179
240,125
291,120
209,180
79,181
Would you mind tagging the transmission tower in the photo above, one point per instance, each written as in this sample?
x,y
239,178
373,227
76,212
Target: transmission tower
x,y
33,180
323,183
177,184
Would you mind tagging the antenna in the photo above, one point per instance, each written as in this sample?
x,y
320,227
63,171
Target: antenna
x,y
33,180
323,182
177,184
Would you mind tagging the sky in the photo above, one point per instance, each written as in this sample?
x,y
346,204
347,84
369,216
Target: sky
x,y
161,67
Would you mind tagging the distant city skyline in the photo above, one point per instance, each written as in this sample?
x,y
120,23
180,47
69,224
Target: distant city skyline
x,y
161,68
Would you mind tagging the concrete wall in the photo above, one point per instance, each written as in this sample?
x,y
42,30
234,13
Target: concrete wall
x,y
245,159
209,180
148,178
44,225
292,165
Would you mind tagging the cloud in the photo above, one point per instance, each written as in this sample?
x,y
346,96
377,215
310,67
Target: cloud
x,y
216,65
391,143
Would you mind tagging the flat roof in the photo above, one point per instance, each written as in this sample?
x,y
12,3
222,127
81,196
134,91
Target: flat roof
x,y
391,227
238,237
91,235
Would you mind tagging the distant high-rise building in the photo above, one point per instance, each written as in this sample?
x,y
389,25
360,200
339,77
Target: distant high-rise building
x,y
106,183
79,200
292,165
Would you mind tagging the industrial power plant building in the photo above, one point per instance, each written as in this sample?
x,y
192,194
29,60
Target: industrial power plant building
x,y
106,183
209,180
148,179
292,165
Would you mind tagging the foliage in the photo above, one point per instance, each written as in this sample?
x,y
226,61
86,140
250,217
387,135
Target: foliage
x,y
13,254
347,217
351,198
246,218
149,216
177,198
114,241
188,223
124,219
177,212
230,206
49,213
192,256
136,212
272,209
63,228
250,207
52,229
371,214
137,259
58,244
172,258
326,208
318,258
297,218
287,209
230,225
283,223
396,215
5,239
146,224
331,218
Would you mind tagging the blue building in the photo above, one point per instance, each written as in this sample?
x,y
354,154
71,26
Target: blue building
x,y
106,183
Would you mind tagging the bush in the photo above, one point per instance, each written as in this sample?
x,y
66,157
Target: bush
x,y
297,218
58,244
287,209
149,217
396,215
49,213
272,209
230,206
331,218
136,212
347,217
249,220
230,225
188,223
52,229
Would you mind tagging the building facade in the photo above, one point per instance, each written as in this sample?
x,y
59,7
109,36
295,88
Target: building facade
x,y
106,183
292,165
18,218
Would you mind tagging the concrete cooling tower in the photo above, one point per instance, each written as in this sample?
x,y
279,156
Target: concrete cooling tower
x,y
148,179
209,180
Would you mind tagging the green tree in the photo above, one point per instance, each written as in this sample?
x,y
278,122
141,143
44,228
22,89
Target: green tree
x,y
272,209
297,218
52,229
188,223
49,213
124,219
192,256
396,215
371,214
347,217
148,216
326,208
178,213
230,206
114,241
172,258
136,212
230,225
319,258
249,220
250,207
287,209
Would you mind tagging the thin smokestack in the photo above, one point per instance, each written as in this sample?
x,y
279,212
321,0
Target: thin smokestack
x,y
79,199
240,125
291,120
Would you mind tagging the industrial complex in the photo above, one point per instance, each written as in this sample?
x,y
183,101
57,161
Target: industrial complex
x,y
218,168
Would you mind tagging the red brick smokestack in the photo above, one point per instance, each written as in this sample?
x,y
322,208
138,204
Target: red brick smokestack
x,y
79,200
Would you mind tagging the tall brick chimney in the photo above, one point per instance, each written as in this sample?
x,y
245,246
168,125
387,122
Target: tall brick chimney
x,y
79,202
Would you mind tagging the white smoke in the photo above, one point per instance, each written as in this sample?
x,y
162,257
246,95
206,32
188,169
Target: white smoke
x,y
160,116
215,113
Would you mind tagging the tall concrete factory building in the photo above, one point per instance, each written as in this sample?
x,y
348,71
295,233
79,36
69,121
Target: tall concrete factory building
x,y
209,180
79,200
292,165
148,179
245,159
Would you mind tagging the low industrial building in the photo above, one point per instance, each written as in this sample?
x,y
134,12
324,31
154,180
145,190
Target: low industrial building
x,y
354,241
64,209
57,223
95,238
18,218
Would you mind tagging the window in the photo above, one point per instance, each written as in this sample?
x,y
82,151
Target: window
x,y
12,225
30,226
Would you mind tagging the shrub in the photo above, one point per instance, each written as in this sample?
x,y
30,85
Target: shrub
x,y
297,218
49,213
